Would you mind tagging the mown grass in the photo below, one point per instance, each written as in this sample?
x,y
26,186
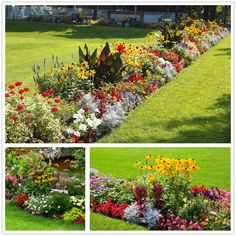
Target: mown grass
x,y
193,108
17,219
100,222
28,43
214,163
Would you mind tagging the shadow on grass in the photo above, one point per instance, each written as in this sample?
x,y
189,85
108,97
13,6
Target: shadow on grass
x,y
223,52
201,129
77,31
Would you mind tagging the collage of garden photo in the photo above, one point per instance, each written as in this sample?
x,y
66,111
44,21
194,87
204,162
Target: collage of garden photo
x,y
117,118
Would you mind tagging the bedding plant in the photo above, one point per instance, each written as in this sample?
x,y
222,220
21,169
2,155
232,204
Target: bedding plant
x,y
87,98
47,182
162,197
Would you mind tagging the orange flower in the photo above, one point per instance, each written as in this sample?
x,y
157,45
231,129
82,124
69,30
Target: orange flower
x,y
204,216
204,223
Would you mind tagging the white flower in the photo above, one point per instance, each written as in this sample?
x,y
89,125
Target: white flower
x,y
93,123
77,134
82,127
70,131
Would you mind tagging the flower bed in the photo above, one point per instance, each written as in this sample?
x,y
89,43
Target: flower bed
x,y
162,197
34,184
86,99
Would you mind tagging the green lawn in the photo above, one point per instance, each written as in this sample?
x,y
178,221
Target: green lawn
x,y
28,43
214,163
100,222
17,219
193,108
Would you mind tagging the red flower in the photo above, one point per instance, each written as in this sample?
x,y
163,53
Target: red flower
x,y
7,95
156,53
121,48
26,89
51,91
14,118
75,137
21,98
79,220
136,77
61,216
12,92
57,100
54,109
49,102
54,216
18,83
20,107
12,86
40,87
45,94
21,91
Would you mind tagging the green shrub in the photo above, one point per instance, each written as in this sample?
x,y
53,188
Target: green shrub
x,y
74,213
60,202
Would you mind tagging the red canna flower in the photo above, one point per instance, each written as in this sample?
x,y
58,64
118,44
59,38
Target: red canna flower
x,y
21,98
12,92
14,118
45,94
12,86
54,109
51,91
20,107
21,91
75,137
57,100
7,95
26,89
18,83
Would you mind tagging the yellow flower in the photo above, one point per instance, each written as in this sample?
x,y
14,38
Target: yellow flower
x,y
138,163
84,64
141,168
149,157
150,178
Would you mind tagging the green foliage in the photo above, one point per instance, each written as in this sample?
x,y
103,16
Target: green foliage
x,y
170,37
60,202
72,214
79,162
108,66
175,190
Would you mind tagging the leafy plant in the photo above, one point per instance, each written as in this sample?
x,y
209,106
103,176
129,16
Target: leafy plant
x,y
79,162
108,66
73,214
60,202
